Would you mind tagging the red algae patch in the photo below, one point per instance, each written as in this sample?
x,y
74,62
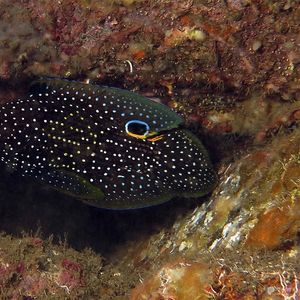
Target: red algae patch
x,y
33,268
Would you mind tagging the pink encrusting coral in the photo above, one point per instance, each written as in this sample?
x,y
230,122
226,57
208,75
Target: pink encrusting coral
x,y
31,267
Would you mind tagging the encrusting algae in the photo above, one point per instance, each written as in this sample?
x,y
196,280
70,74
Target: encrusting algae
x,y
232,67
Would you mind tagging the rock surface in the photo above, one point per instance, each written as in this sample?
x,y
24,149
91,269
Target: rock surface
x,y
231,67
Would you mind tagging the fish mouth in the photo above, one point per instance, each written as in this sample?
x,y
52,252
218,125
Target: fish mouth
x,y
153,136
156,136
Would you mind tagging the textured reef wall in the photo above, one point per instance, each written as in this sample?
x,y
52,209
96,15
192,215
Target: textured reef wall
x,y
247,234
184,48
230,66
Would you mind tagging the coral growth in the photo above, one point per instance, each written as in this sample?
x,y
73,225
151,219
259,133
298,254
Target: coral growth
x,y
203,57
250,227
208,45
231,66
179,280
31,267
194,280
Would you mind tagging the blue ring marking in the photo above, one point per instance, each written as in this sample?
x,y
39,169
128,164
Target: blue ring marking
x,y
139,122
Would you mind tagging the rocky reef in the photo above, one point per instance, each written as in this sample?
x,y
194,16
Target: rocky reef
x,y
231,68
247,234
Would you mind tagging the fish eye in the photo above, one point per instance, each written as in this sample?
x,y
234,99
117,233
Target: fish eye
x,y
137,128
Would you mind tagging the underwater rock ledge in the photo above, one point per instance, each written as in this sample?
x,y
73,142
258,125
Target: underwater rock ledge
x,y
242,244
233,67
163,46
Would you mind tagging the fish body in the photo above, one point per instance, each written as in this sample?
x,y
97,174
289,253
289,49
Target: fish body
x,y
109,147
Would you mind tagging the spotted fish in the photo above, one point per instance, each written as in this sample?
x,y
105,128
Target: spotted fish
x,y
109,147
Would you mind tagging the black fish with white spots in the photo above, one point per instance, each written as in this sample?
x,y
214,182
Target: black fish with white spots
x,y
109,147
